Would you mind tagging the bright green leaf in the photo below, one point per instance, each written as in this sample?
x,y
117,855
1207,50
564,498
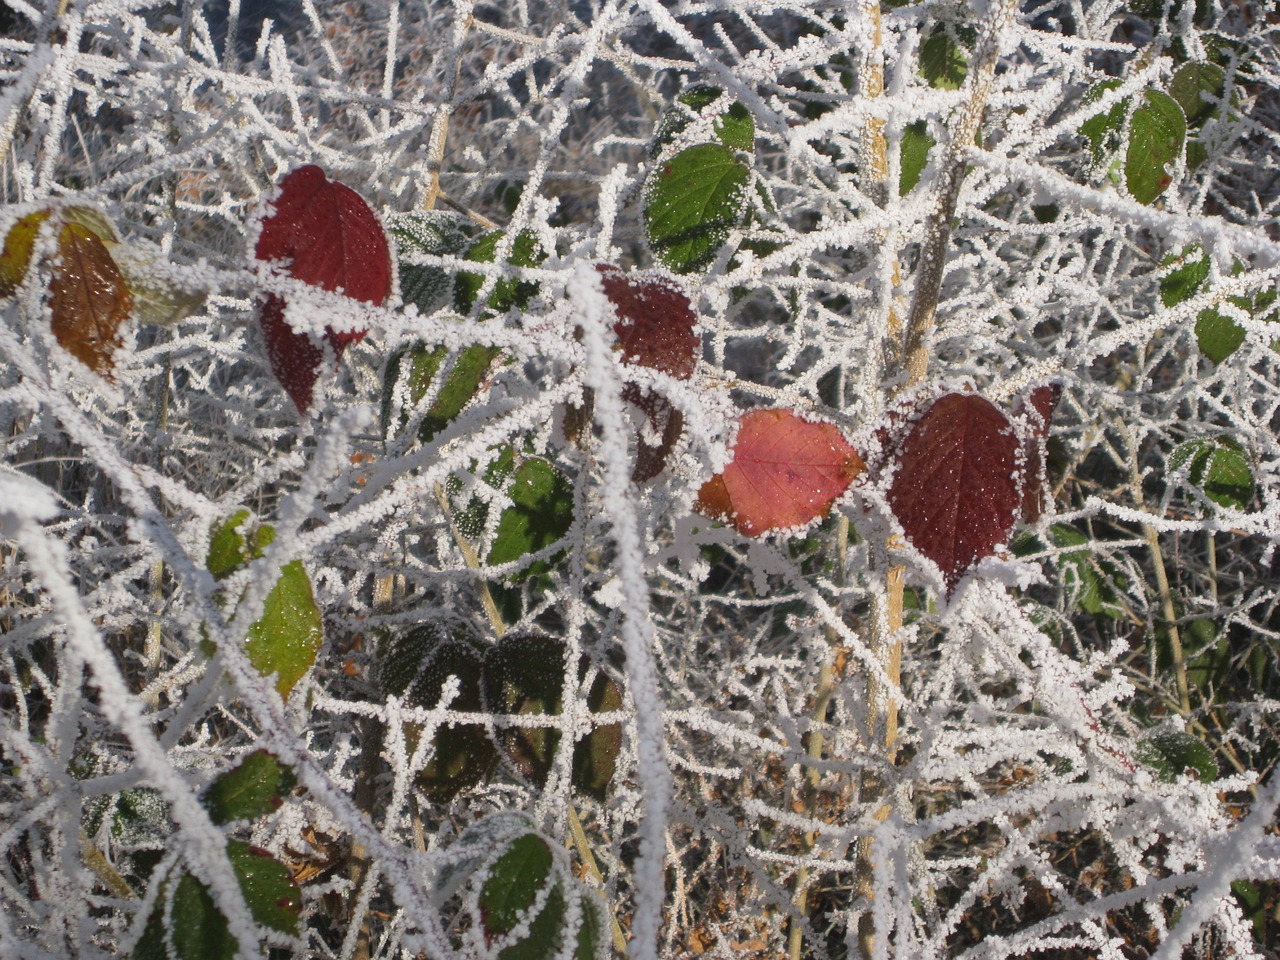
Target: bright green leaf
x,y
1217,335
253,788
733,126
287,638
692,201
1157,131
1103,130
916,143
507,292
540,513
1190,271
419,364
1219,470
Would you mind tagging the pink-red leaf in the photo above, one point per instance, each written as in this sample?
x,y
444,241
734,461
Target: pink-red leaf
x,y
331,239
785,472
956,488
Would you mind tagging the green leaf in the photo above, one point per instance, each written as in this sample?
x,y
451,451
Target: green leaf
x,y
197,928
1217,335
916,143
1157,131
509,292
1190,271
417,666
287,637
691,203
1190,82
595,756
943,62
514,882
1086,582
434,233
274,900
733,126
1219,470
593,933
251,789
1171,755
418,364
540,514
1103,130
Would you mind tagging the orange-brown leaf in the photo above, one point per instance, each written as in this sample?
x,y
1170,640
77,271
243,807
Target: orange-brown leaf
x,y
785,472
90,298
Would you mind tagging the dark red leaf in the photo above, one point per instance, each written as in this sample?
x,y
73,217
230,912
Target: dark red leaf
x,y
90,298
655,325
331,239
295,358
785,472
1035,411
956,489
655,329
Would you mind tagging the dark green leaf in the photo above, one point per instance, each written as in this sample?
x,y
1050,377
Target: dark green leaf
x,y
525,674
1190,269
692,201
943,62
1157,131
1171,755
595,756
514,882
593,933
1103,129
1190,83
252,789
197,928
916,143
508,292
1219,470
433,233
272,897
540,513
417,666
419,365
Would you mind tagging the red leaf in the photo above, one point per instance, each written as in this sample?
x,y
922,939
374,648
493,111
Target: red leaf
x,y
956,488
655,329
333,240
1035,410
655,325
90,298
785,472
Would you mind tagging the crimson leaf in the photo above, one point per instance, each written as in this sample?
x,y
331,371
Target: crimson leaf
x,y
331,239
956,489
785,472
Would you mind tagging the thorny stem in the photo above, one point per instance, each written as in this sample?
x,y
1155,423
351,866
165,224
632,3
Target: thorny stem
x,y
962,130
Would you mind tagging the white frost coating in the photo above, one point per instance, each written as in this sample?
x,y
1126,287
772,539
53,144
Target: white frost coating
x,y
601,374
